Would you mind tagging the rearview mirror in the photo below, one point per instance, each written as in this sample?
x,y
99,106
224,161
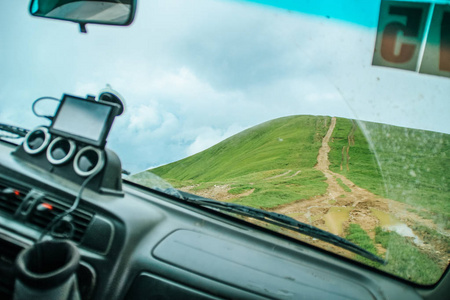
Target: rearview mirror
x,y
107,12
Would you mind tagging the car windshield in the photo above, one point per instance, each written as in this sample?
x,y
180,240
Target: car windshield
x,y
334,113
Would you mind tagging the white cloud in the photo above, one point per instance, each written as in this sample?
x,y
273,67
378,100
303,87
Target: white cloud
x,y
144,116
323,97
208,137
88,88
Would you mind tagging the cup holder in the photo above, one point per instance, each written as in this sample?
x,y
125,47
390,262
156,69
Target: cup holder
x,y
9,251
47,270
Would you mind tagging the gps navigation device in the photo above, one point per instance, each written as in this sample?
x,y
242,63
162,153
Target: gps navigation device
x,y
84,120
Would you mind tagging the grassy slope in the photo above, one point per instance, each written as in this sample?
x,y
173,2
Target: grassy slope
x,y
414,164
246,160
404,259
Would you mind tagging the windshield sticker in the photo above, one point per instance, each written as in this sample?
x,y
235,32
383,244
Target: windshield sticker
x,y
402,29
436,58
400,34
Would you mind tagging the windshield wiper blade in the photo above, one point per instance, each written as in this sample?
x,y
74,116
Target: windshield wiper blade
x,y
18,131
283,221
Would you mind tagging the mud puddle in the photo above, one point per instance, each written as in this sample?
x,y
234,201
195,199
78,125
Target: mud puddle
x,y
335,219
389,222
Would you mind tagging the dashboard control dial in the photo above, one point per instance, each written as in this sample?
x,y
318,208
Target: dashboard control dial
x,y
60,151
36,140
88,161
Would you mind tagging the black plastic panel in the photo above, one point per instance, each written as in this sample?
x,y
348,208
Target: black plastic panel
x,y
148,286
99,242
253,270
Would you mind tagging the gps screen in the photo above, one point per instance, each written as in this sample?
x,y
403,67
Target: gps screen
x,y
81,118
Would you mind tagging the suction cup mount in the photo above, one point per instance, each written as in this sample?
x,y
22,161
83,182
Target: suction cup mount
x,y
112,96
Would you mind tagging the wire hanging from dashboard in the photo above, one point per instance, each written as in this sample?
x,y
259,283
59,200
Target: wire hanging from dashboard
x,y
68,211
33,106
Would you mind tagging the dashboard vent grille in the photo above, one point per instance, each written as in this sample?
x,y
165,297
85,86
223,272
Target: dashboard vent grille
x,y
10,197
80,219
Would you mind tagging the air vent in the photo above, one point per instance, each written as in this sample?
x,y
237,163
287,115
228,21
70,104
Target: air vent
x,y
46,210
10,197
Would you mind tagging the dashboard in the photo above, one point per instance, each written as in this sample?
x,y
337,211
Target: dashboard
x,y
142,244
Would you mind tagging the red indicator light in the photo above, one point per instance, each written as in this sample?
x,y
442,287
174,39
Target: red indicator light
x,y
16,192
46,205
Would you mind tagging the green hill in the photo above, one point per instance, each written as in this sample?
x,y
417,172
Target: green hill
x,y
249,159
413,162
289,142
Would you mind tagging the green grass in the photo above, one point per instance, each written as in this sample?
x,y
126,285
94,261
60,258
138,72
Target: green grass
x,y
283,190
343,185
363,169
239,190
432,236
406,260
438,217
412,164
359,236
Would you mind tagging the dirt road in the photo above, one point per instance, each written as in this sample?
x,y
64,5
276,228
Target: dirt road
x,y
337,208
318,210
363,207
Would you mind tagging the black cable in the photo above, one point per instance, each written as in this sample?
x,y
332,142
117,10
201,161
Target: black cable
x,y
39,99
70,210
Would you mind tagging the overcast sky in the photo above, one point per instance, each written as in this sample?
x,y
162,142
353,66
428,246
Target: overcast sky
x,y
194,72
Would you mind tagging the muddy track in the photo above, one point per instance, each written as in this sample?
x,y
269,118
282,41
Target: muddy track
x,y
337,208
218,192
314,210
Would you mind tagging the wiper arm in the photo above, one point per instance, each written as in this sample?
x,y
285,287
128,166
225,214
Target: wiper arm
x,y
18,131
283,221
